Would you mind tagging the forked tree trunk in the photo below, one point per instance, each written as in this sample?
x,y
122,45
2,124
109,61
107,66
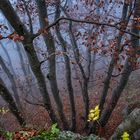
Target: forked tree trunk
x,y
77,58
35,66
68,69
128,68
116,93
42,10
124,78
85,78
15,22
124,19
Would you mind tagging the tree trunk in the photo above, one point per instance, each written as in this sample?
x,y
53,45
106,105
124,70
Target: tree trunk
x,y
6,95
85,79
125,19
77,58
117,93
68,69
13,83
128,68
112,62
52,65
14,20
35,66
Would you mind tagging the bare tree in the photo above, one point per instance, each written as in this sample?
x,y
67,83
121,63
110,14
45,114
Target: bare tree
x,y
62,14
18,26
7,96
67,66
125,18
49,41
129,66
13,83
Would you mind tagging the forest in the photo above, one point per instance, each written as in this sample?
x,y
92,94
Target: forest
x,y
69,69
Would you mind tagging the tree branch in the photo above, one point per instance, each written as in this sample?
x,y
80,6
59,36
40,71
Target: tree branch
x,y
83,21
88,22
32,103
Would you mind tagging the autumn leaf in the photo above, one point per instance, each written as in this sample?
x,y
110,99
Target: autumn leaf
x,y
125,136
1,36
94,114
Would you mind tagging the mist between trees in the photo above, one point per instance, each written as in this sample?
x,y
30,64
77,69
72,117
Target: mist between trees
x,y
64,58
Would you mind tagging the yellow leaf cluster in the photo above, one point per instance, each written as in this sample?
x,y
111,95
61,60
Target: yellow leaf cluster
x,y
94,114
3,110
125,136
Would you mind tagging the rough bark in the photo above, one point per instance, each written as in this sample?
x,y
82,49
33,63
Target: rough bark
x,y
129,108
42,10
130,125
7,96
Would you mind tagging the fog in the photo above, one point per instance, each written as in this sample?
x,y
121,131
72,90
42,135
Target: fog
x,y
61,59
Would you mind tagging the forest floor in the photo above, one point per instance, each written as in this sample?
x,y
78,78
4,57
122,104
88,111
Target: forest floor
x,y
38,119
